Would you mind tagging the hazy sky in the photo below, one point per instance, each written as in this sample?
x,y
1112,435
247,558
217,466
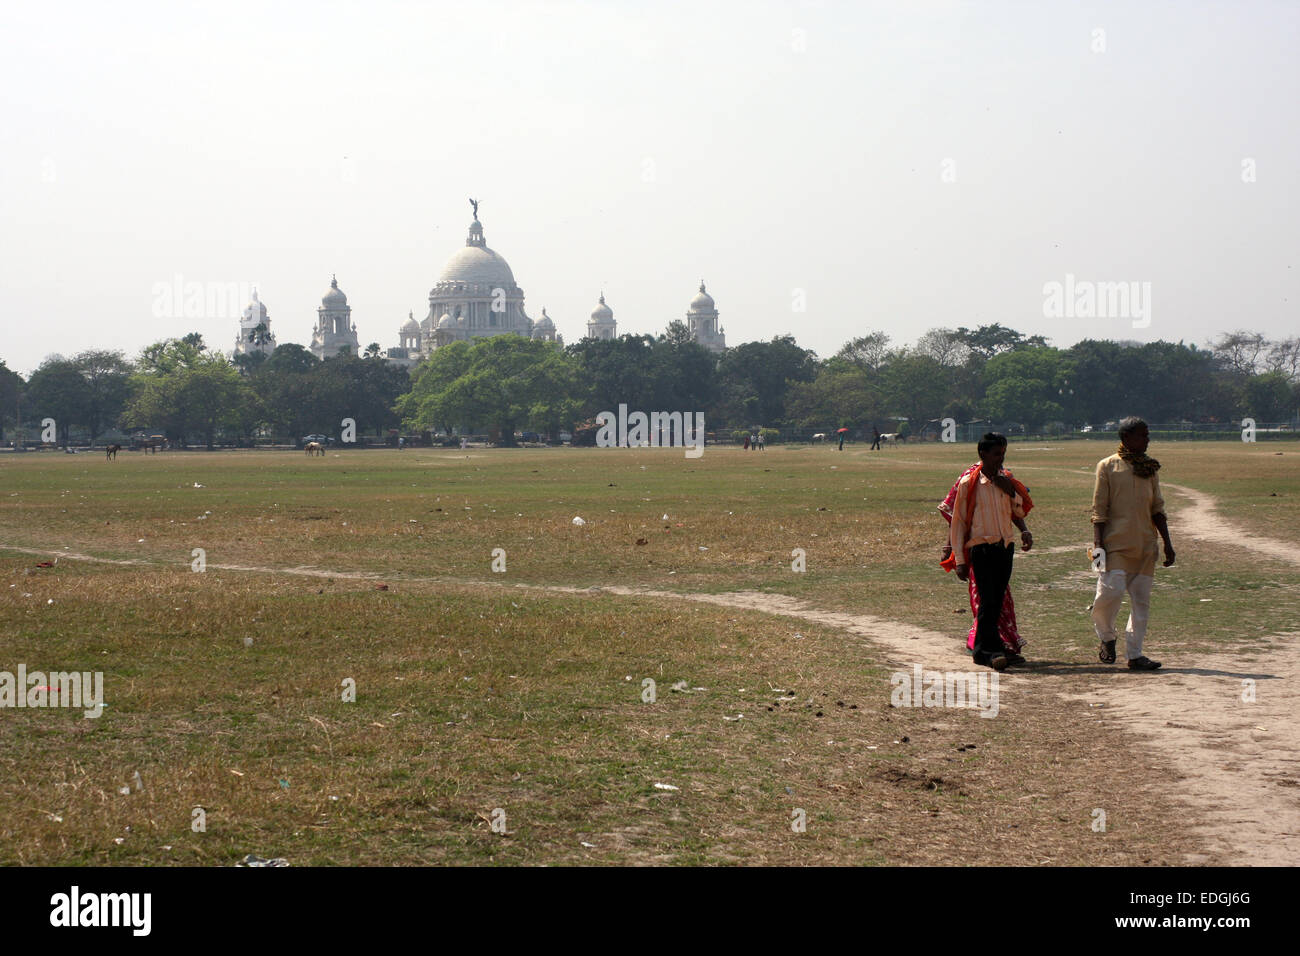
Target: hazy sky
x,y
639,147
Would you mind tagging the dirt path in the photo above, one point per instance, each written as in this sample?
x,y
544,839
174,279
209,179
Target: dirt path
x,y
1239,761
1202,521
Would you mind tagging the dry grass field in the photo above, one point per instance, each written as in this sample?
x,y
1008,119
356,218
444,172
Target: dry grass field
x,y
521,691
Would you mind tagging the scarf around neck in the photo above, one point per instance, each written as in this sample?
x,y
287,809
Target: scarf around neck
x,y
1144,466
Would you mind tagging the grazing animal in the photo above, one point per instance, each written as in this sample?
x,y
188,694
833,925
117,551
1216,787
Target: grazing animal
x,y
890,437
111,452
315,448
820,436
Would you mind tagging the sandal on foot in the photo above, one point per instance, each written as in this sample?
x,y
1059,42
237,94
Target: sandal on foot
x,y
1106,652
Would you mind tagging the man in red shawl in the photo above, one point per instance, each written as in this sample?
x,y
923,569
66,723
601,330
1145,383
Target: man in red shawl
x,y
986,535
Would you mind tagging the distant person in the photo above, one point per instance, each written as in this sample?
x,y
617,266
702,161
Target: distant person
x,y
1127,511
762,442
746,445
875,441
401,443
1008,632
982,538
841,448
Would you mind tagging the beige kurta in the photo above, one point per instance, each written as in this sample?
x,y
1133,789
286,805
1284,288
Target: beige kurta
x,y
1126,503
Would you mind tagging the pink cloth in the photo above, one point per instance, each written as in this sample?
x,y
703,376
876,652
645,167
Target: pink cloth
x,y
1007,629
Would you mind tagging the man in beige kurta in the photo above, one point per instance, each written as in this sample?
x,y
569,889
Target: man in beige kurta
x,y
1127,513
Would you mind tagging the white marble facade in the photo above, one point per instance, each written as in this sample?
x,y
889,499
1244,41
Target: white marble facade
x,y
334,326
475,296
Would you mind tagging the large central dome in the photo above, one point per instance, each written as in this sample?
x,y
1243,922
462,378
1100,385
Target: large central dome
x,y
475,263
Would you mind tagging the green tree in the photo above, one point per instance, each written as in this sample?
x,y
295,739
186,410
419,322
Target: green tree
x,y
1026,385
989,341
868,352
364,390
504,381
684,373
11,396
187,391
840,396
754,378
1269,398
617,371
58,390
916,387
107,374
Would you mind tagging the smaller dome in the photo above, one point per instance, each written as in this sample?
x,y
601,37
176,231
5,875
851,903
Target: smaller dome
x,y
411,325
703,302
445,321
255,308
545,321
602,312
334,298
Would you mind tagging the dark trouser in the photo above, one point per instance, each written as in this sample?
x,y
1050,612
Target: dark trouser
x,y
991,565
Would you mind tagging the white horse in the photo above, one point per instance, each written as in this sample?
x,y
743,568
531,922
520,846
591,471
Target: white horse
x,y
315,448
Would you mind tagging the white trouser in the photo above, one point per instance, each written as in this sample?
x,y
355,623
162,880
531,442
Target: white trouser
x,y
1110,593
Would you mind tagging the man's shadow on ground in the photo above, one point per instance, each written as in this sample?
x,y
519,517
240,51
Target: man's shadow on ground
x,y
1077,667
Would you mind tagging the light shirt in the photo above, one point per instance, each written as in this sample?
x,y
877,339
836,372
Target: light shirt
x,y
1125,504
991,523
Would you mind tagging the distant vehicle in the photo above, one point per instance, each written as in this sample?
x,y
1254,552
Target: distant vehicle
x,y
566,436
529,436
1086,428
323,439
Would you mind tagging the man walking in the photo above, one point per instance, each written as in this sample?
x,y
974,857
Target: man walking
x,y
1127,511
982,537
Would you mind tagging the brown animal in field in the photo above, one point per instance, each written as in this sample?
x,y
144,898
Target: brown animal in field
x,y
111,452
315,448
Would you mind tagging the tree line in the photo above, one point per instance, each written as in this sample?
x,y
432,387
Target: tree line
x,y
193,394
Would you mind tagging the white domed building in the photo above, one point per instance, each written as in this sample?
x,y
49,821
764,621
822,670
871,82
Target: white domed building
x,y
477,292
334,326
702,319
601,325
544,329
255,329
475,296
407,353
